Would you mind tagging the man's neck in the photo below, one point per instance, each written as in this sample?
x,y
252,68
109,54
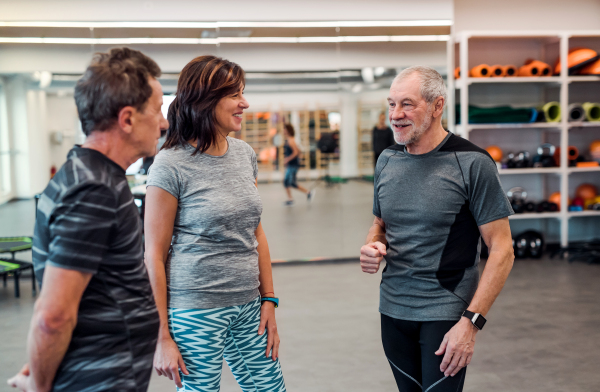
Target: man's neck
x,y
112,146
428,141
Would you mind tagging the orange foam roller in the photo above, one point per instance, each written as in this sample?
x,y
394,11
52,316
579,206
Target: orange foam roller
x,y
509,70
457,73
535,68
591,69
480,71
496,71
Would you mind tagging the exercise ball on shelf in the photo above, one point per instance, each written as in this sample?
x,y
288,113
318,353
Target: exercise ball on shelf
x,y
555,198
595,150
495,152
586,191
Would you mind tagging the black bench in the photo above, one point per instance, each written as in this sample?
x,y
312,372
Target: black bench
x,y
13,266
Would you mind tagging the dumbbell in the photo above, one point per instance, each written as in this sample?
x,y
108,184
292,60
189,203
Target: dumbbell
x,y
529,244
517,197
545,156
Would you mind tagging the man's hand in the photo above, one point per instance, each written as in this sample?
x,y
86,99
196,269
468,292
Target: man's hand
x,y
371,255
267,320
458,346
21,380
168,360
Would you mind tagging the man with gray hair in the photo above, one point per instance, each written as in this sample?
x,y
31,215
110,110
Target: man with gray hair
x,y
95,324
435,196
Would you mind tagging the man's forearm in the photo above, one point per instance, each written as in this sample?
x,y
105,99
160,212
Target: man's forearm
x,y
47,346
376,233
492,281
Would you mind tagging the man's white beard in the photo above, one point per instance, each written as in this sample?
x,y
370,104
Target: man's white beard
x,y
415,134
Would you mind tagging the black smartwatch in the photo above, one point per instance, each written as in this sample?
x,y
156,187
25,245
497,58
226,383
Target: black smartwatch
x,y
476,319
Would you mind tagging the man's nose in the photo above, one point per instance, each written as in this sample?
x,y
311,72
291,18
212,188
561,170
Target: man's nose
x,y
397,113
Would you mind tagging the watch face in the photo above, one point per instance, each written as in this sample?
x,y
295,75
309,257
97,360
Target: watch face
x,y
479,322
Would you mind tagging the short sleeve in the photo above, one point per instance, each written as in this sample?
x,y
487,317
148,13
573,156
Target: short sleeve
x,y
81,227
378,168
254,162
487,200
164,174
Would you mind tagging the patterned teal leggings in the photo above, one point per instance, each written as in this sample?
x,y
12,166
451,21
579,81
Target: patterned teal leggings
x,y
204,336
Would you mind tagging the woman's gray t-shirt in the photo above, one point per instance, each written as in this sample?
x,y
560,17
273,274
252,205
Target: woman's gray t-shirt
x,y
213,260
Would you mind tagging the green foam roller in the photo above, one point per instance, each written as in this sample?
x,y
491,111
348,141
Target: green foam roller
x,y
552,111
592,111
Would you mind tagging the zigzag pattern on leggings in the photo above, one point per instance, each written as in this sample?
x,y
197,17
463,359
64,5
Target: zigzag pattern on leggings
x,y
205,336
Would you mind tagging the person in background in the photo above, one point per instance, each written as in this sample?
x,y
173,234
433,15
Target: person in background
x,y
95,323
206,251
383,137
291,161
436,195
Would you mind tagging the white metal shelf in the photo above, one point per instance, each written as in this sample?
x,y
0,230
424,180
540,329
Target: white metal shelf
x,y
459,83
531,170
576,214
582,78
584,124
535,215
572,170
539,125
539,40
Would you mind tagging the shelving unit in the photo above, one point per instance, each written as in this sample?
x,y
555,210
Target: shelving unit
x,y
368,114
472,48
260,128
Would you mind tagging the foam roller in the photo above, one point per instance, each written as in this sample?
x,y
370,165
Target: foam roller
x,y
576,112
457,73
480,71
496,71
552,111
509,70
535,68
572,154
592,111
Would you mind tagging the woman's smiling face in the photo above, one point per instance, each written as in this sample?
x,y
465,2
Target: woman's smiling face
x,y
228,112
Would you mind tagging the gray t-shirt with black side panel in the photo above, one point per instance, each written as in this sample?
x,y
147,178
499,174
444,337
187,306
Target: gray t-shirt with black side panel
x,y
432,206
213,260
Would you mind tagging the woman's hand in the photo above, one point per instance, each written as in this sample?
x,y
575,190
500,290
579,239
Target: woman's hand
x,y
267,319
168,360
21,380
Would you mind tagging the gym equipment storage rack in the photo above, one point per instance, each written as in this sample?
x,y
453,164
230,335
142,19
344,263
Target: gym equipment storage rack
x,y
470,48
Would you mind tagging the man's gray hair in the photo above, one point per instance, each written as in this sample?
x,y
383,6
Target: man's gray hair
x,y
432,83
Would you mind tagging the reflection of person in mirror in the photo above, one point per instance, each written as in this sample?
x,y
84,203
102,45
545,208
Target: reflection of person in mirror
x,y
291,161
383,137
435,196
206,251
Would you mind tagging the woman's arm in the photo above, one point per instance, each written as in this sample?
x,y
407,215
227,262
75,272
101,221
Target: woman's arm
x,y
159,219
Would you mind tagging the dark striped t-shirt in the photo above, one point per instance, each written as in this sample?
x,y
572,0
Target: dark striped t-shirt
x,y
87,221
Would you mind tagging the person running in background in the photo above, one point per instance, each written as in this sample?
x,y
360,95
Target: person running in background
x,y
291,161
383,137
206,251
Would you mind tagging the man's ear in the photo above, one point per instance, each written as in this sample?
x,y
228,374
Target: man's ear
x,y
126,119
438,107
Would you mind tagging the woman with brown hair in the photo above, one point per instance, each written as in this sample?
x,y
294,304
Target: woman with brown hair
x,y
206,252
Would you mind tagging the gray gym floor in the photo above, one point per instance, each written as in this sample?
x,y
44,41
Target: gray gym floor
x,y
542,332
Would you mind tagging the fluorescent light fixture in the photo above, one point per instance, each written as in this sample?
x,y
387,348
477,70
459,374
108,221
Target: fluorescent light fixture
x,y
220,40
215,25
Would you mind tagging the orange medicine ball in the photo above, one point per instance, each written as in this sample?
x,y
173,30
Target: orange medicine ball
x,y
586,191
555,198
495,152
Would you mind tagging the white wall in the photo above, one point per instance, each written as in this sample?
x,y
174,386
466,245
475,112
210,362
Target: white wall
x,y
231,10
550,15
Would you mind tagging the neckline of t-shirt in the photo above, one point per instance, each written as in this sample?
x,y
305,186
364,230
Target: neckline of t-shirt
x,y
98,154
428,154
203,154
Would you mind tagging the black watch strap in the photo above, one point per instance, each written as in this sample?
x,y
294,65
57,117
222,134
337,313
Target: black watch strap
x,y
476,319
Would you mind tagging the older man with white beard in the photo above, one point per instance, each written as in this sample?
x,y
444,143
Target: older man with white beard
x,y
435,196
